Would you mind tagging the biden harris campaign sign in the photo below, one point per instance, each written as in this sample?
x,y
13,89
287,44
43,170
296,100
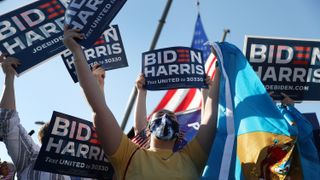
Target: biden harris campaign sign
x,y
33,33
108,51
172,68
291,66
92,17
72,148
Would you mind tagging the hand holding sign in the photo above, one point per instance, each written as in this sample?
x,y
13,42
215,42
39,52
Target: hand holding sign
x,y
8,64
33,32
108,51
69,38
91,17
141,82
286,100
205,91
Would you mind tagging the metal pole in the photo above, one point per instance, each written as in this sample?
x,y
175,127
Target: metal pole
x,y
161,23
225,32
134,92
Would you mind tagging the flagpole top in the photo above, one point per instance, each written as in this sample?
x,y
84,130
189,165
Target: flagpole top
x,y
198,5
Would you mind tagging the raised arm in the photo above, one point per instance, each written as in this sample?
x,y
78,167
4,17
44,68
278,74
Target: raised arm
x,y
140,115
100,74
204,94
20,146
8,97
108,130
208,125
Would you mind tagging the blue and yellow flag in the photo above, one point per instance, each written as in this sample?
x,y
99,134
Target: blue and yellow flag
x,y
254,139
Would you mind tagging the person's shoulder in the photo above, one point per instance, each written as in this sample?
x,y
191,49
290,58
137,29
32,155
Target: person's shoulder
x,y
193,147
125,146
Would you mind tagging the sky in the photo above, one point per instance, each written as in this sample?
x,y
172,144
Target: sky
x,y
49,87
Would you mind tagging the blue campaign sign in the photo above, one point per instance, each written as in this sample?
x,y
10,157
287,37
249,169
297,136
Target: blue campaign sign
x,y
108,51
92,17
33,33
290,66
172,68
72,148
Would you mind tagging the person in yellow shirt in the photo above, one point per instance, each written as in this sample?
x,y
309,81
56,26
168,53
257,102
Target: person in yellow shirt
x,y
157,162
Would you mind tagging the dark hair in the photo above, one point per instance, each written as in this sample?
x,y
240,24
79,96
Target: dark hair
x,y
43,131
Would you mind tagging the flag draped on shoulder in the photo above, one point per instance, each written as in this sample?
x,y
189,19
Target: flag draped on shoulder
x,y
254,139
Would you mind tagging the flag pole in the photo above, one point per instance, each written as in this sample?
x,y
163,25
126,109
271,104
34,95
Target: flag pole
x,y
225,32
198,6
134,91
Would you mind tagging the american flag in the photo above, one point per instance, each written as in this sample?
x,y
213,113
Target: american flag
x,y
178,100
182,100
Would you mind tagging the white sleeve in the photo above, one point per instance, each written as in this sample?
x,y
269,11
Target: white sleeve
x,y
20,146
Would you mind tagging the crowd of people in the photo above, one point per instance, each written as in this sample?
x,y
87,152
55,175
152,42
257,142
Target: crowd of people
x,y
126,157
129,160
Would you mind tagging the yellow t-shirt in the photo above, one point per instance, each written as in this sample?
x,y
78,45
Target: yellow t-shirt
x,y
157,163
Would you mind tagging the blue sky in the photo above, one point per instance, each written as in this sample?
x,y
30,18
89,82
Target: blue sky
x,y
49,87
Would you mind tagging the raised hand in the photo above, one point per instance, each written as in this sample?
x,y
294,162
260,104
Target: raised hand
x,y
8,64
204,93
140,115
69,38
8,98
141,82
286,100
100,74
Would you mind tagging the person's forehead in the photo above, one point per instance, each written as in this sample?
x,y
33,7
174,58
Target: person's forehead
x,y
169,113
160,113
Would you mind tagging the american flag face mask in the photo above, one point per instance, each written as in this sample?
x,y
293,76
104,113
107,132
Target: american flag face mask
x,y
164,128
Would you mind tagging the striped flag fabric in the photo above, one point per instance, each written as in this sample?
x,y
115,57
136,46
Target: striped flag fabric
x,y
178,100
255,139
